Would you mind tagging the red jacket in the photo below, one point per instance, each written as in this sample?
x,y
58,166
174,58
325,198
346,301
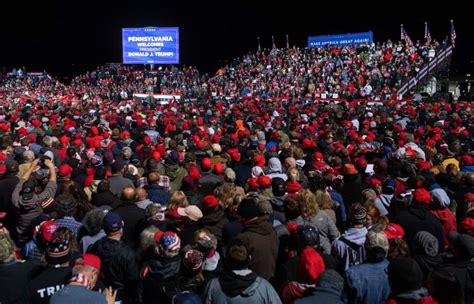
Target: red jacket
x,y
448,220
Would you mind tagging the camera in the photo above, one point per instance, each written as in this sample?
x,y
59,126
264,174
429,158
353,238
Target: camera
x,y
41,161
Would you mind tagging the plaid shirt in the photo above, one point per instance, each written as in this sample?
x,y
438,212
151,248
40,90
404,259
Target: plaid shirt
x,y
70,223
164,182
31,251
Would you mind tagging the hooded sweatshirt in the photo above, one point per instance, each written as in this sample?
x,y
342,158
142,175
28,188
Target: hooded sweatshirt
x,y
241,286
262,243
158,284
275,169
176,175
118,266
28,209
418,218
349,248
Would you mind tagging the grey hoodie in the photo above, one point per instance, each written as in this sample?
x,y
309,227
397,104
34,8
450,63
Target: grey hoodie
x,y
259,292
275,169
327,229
344,252
27,210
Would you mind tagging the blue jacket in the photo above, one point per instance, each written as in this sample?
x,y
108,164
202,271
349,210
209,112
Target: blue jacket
x,y
156,194
341,208
467,169
368,283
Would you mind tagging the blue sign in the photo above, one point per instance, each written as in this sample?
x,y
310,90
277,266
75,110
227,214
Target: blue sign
x,y
150,45
341,40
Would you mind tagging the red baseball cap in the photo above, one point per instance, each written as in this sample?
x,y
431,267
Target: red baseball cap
x,y
200,145
317,156
374,182
264,181
64,140
206,164
65,170
253,184
394,231
260,160
47,230
124,135
90,260
467,160
210,201
157,156
422,196
78,142
218,168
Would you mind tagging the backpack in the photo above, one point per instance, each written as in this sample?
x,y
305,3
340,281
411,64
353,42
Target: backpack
x,y
356,254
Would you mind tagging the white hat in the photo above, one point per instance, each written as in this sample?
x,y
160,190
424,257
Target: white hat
x,y
216,148
21,124
132,170
50,155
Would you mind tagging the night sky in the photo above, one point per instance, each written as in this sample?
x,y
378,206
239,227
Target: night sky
x,y
67,39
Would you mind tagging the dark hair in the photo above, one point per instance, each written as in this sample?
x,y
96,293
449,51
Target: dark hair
x,y
337,184
103,186
190,157
445,288
151,165
64,233
404,274
327,180
66,205
398,248
100,173
291,208
397,204
237,256
376,254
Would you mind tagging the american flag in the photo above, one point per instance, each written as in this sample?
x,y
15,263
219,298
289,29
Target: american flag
x,y
427,34
404,36
453,34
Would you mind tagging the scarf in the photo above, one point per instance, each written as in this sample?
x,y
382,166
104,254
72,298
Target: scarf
x,y
82,280
233,284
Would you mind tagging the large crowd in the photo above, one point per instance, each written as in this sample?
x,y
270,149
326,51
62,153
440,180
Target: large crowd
x,y
259,197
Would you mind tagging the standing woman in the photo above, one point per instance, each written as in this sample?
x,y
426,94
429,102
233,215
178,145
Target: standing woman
x,y
311,215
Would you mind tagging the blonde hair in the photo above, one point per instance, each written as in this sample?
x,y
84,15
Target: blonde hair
x,y
293,175
368,197
307,202
227,193
324,200
178,199
430,152
377,217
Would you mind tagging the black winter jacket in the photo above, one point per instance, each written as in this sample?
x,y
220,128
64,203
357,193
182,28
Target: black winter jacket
x,y
119,268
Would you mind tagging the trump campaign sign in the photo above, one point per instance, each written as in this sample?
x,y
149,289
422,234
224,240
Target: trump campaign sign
x,y
150,45
341,40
